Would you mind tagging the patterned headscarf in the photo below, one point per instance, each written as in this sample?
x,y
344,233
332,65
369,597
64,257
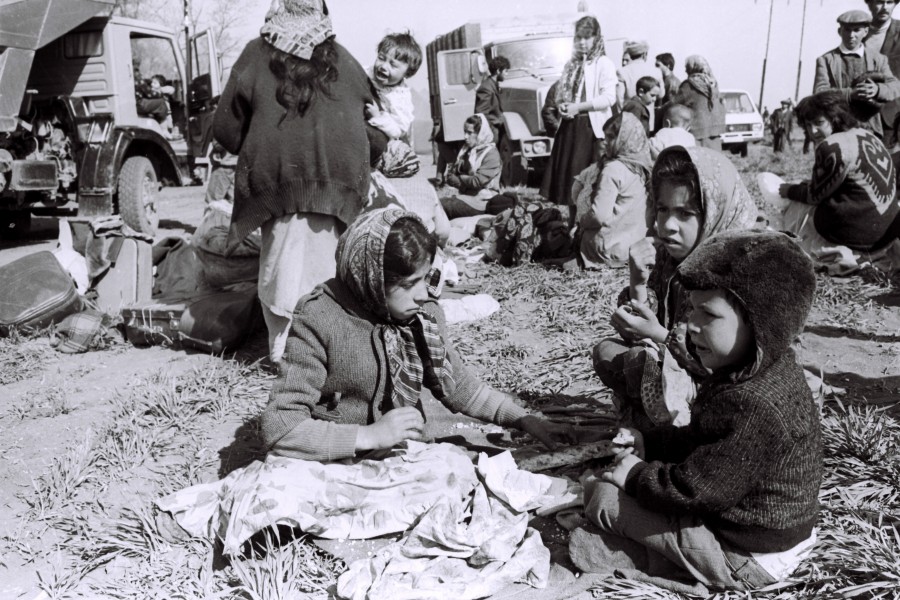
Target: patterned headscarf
x,y
360,266
573,73
701,78
631,146
297,26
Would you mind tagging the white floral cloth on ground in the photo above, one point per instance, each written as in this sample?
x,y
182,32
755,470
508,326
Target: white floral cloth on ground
x,y
465,550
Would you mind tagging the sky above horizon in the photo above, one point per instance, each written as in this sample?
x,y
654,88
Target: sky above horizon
x,y
732,40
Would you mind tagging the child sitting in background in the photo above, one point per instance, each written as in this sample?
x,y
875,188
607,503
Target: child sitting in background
x,y
696,192
642,104
675,131
610,196
731,501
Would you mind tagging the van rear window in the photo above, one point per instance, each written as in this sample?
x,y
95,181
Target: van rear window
x,y
83,45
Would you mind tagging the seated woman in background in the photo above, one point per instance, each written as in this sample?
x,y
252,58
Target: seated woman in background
x,y
610,196
476,172
847,214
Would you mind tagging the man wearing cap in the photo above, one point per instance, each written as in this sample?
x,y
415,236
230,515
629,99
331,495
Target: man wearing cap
x,y
638,67
863,76
884,37
782,123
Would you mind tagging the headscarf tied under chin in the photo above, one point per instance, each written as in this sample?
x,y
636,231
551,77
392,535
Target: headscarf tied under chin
x,y
415,350
570,81
483,143
700,77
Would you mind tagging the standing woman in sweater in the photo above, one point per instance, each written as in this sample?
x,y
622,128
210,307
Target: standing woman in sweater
x,y
585,95
293,112
700,93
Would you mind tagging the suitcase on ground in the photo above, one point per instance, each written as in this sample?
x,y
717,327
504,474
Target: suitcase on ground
x,y
129,280
35,291
213,322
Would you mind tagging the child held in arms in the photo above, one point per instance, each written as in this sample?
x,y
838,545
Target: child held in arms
x,y
730,501
676,130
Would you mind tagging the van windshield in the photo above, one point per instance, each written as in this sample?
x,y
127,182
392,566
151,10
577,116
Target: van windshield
x,y
535,57
738,103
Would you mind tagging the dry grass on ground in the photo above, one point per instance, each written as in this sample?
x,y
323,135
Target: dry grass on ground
x,y
86,523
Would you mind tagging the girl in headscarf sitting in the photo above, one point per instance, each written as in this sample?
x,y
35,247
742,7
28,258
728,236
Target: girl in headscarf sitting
x,y
476,171
700,93
611,195
695,193
363,349
585,95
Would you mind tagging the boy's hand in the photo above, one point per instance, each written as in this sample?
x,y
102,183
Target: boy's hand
x,y
866,90
629,438
635,321
546,432
393,427
372,110
624,462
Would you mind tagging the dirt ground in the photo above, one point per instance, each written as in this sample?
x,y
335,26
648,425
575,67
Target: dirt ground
x,y
52,402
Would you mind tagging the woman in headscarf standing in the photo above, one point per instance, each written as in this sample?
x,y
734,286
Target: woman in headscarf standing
x,y
585,95
293,112
700,93
611,195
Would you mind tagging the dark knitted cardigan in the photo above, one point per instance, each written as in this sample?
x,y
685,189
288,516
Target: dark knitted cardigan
x,y
318,162
750,462
334,346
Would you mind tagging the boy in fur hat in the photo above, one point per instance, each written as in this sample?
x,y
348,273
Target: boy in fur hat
x,y
730,501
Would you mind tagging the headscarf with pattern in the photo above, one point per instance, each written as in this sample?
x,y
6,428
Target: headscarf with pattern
x,y
700,77
570,81
415,350
631,146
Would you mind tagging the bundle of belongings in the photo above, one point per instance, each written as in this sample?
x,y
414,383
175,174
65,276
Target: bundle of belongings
x,y
526,231
106,277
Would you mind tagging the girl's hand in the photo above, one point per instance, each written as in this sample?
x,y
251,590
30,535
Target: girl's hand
x,y
783,189
641,260
372,110
635,321
568,110
393,427
546,432
624,463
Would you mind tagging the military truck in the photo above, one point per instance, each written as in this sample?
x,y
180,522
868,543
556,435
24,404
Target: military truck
x,y
72,135
537,48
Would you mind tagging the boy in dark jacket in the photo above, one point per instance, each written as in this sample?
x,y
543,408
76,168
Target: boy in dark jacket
x,y
730,501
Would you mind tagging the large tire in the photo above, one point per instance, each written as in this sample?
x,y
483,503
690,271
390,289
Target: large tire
x,y
138,194
512,173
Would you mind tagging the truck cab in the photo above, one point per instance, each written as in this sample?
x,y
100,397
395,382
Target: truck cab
x,y
78,134
537,49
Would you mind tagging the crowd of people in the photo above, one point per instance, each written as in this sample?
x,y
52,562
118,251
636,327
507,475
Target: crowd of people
x,y
719,460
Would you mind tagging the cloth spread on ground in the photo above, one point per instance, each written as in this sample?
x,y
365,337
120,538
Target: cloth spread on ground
x,y
468,549
471,531
83,331
528,231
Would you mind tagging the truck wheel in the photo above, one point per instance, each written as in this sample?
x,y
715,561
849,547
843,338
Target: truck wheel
x,y
512,173
743,150
138,193
14,223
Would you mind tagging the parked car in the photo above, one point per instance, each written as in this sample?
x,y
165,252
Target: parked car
x,y
743,123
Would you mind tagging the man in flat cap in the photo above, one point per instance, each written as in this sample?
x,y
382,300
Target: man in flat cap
x,y
884,37
863,76
634,70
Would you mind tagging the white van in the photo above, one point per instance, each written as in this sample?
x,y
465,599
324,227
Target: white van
x,y
743,123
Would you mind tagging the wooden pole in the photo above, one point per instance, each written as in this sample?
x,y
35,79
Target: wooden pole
x,y
800,53
762,85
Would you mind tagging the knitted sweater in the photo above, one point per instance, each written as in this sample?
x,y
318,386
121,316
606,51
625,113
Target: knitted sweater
x,y
749,464
318,162
334,347
854,188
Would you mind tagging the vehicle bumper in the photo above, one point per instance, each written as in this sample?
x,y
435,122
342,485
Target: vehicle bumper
x,y
741,137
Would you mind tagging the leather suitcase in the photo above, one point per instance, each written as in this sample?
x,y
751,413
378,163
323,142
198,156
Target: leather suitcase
x,y
129,280
35,291
214,322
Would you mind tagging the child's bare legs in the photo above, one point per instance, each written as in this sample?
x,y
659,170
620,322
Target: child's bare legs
x,y
665,548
